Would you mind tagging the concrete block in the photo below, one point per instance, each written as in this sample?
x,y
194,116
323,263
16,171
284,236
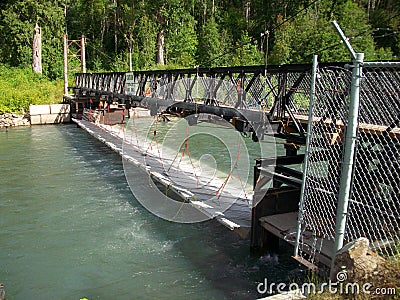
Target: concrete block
x,y
54,118
35,120
59,108
50,119
39,109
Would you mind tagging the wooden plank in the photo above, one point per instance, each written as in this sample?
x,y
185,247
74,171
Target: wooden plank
x,y
306,263
283,224
362,127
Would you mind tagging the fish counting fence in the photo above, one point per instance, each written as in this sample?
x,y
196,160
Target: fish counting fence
x,y
352,163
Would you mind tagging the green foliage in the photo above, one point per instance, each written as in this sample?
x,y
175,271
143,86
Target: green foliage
x,y
17,21
145,43
281,52
246,52
181,42
210,47
233,19
207,33
312,33
20,87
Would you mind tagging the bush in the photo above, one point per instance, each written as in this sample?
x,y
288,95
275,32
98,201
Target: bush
x,y
21,87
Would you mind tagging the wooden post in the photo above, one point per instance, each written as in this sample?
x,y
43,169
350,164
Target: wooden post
x,y
37,50
83,54
65,42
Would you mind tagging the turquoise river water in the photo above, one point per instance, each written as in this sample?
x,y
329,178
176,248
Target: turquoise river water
x,y
70,228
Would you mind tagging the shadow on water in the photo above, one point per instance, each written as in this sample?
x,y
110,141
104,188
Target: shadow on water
x,y
218,259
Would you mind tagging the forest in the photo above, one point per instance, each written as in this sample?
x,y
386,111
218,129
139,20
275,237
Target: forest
x,y
204,33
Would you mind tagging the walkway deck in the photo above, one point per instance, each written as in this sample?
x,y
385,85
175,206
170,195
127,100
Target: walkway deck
x,y
237,217
284,226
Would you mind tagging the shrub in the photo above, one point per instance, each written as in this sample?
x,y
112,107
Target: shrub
x,y
20,87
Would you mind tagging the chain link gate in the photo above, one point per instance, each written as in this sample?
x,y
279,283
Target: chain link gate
x,y
374,205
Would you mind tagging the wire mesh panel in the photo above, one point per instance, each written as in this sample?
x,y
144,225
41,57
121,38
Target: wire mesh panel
x,y
298,89
374,204
330,111
374,207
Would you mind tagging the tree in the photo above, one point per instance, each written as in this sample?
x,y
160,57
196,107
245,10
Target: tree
x,y
210,49
93,18
312,33
281,51
209,33
181,42
145,42
17,20
246,52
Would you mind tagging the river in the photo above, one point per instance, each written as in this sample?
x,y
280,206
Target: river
x,y
70,228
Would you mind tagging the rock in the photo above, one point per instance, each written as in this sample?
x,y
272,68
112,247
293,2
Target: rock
x,y
8,120
2,292
358,260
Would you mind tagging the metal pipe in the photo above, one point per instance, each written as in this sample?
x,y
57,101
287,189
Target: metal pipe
x,y
344,39
385,64
348,158
65,64
307,153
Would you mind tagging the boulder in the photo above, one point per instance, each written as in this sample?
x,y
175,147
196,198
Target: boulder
x,y
359,261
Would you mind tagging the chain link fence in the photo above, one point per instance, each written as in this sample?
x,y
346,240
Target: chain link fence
x,y
374,205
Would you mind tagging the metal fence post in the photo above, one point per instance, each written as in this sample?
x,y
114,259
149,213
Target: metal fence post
x,y
348,159
307,151
65,44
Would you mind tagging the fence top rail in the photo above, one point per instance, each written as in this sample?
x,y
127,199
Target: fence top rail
x,y
395,64
295,68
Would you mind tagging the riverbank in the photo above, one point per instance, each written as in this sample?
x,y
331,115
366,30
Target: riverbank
x,y
14,120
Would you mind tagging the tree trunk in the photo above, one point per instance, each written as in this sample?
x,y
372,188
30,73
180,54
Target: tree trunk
x,y
37,50
204,12
160,47
130,43
115,27
247,12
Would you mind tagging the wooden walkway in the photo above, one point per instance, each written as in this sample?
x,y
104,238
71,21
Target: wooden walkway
x,y
236,208
284,226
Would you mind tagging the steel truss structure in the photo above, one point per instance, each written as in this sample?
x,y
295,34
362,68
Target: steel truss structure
x,y
253,95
